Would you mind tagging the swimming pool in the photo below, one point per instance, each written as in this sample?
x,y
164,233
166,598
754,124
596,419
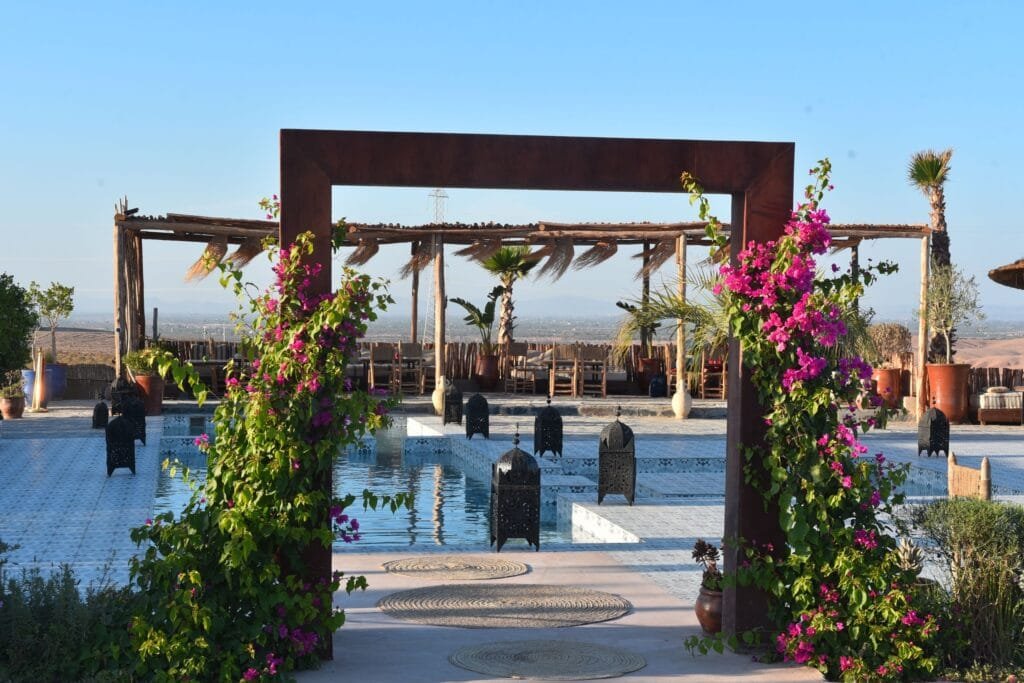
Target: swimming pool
x,y
450,508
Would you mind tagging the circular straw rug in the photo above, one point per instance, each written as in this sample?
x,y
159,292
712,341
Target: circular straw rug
x,y
503,605
456,567
552,660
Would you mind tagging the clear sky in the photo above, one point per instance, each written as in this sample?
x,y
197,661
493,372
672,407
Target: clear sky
x,y
178,106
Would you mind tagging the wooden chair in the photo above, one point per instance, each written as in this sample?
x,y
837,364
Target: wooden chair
x,y
384,369
712,379
967,481
593,370
564,370
410,364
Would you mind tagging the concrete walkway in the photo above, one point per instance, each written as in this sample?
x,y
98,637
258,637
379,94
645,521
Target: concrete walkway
x,y
372,646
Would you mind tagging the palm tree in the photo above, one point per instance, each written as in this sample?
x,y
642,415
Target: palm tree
x,y
509,264
706,320
928,172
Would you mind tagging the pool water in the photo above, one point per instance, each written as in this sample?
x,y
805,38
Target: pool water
x,y
449,508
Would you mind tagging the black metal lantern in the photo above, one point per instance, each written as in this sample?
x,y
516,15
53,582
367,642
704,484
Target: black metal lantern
x,y
452,404
100,415
120,444
515,497
478,417
135,411
616,461
121,389
933,433
547,431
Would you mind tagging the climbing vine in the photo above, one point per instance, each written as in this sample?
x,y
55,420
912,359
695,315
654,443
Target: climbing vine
x,y
226,589
840,601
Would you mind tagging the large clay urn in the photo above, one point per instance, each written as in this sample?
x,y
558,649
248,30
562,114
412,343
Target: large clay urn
x,y
947,389
152,389
709,610
888,383
486,374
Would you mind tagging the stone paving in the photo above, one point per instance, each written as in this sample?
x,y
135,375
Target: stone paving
x,y
58,505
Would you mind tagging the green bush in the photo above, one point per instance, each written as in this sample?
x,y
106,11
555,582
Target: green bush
x,y
50,632
980,543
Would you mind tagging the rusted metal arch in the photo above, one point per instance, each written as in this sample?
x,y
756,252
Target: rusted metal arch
x,y
758,176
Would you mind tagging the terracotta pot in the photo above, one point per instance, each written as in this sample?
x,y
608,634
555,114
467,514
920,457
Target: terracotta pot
x,y
646,369
709,610
947,389
889,386
152,389
12,408
486,374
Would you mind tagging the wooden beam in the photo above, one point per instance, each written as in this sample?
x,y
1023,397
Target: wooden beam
x,y
195,228
178,237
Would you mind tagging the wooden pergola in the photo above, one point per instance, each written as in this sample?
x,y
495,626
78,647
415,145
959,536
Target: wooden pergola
x,y
554,243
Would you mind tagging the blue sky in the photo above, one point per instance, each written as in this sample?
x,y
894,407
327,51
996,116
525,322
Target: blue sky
x,y
179,106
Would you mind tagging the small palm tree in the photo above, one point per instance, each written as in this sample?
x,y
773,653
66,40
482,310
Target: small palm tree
x,y
508,264
928,172
704,316
482,319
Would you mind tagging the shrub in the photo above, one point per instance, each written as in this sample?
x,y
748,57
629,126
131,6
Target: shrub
x,y
50,632
888,339
18,318
980,544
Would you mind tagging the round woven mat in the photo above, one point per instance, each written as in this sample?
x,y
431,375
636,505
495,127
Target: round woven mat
x,y
456,567
552,660
503,605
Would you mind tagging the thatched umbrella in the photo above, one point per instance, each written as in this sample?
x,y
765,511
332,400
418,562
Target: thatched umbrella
x,y
1011,275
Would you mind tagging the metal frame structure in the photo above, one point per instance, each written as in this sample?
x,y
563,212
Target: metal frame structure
x,y
758,176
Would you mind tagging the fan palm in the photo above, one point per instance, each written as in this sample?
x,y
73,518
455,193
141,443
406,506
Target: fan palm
x,y
706,320
928,172
508,264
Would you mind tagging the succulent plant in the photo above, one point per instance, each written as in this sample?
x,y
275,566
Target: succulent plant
x,y
909,557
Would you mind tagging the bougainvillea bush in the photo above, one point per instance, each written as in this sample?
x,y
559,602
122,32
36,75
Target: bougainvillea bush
x,y
840,601
227,591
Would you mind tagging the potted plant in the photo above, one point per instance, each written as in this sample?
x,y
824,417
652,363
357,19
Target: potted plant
x,y
144,368
55,303
709,603
486,374
952,301
12,396
889,340
641,320
18,319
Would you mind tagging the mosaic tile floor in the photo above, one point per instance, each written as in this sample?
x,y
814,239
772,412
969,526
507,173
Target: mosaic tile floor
x,y
57,503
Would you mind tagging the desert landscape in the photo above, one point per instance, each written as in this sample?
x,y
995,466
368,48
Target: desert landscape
x,y
76,346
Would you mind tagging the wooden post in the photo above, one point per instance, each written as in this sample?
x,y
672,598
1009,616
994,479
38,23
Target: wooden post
x,y
118,299
415,295
922,330
855,270
439,324
645,294
681,401
156,313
